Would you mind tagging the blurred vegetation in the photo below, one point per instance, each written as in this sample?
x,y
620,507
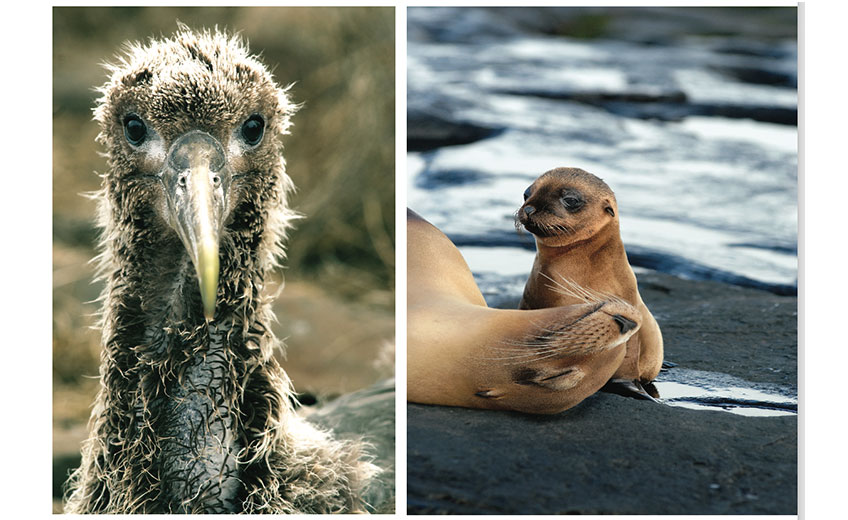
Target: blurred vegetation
x,y
340,153
341,156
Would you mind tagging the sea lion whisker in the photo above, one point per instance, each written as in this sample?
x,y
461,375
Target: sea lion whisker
x,y
565,229
516,221
523,357
571,348
491,349
555,332
583,237
522,347
535,356
560,290
590,293
571,288
583,297
530,350
516,350
568,352
558,287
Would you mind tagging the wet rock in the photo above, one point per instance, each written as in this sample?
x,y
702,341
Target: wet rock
x,y
638,256
697,136
436,179
735,63
432,129
759,76
617,455
651,25
746,333
367,414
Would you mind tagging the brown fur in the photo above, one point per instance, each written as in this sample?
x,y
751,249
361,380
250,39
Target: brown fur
x,y
584,245
462,353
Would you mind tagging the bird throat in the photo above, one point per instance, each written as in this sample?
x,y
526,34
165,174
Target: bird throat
x,y
198,447
184,386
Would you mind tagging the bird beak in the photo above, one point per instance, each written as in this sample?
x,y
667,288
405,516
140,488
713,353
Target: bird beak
x,y
196,181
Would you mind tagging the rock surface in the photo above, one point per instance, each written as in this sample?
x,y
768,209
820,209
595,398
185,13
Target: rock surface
x,y
616,455
369,415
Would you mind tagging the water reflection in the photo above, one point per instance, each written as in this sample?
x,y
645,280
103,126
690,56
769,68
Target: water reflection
x,y
696,136
700,390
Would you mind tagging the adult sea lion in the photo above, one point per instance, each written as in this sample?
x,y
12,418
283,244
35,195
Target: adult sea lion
x,y
463,353
574,217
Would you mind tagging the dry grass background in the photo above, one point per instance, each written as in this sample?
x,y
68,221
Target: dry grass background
x,y
336,311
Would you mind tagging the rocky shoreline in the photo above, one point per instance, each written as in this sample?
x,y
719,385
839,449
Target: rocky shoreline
x,y
617,455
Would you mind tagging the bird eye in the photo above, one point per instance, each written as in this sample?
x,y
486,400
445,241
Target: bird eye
x,y
252,130
134,129
527,193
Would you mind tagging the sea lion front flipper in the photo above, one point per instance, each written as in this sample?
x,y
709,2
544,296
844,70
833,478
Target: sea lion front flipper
x,y
557,379
632,388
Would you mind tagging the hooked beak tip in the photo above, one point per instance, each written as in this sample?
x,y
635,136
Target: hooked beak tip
x,y
196,180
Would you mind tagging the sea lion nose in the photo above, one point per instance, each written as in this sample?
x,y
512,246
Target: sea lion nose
x,y
529,210
624,325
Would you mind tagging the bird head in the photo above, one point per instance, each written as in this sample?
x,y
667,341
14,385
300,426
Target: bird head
x,y
192,127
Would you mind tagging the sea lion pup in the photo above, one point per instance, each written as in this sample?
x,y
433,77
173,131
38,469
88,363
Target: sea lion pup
x,y
574,217
462,353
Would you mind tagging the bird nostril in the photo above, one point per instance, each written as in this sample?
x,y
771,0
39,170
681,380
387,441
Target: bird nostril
x,y
624,325
529,210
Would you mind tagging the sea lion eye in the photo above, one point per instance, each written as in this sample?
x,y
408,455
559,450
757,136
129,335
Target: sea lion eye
x,y
134,129
527,193
253,129
572,200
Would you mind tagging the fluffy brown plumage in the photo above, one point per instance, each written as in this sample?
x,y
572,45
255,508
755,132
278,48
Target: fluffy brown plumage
x,y
194,413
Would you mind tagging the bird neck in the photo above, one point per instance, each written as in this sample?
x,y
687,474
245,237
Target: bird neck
x,y
176,385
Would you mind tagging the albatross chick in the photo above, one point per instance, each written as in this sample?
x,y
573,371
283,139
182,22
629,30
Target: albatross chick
x,y
194,414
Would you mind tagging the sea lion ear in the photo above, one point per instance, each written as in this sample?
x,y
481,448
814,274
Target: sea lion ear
x,y
609,210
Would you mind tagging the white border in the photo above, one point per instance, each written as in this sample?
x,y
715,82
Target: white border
x,y
26,256
400,259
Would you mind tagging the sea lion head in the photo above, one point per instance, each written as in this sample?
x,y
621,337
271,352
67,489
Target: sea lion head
x,y
566,206
560,359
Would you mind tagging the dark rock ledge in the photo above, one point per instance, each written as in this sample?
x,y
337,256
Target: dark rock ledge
x,y
616,455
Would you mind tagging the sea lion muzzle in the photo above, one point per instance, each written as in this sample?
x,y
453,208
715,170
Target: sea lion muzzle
x,y
197,181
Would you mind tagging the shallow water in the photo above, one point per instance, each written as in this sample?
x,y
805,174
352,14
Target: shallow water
x,y
701,153
702,390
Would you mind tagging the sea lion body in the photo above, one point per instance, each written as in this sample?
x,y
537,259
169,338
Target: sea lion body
x,y
463,353
574,217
